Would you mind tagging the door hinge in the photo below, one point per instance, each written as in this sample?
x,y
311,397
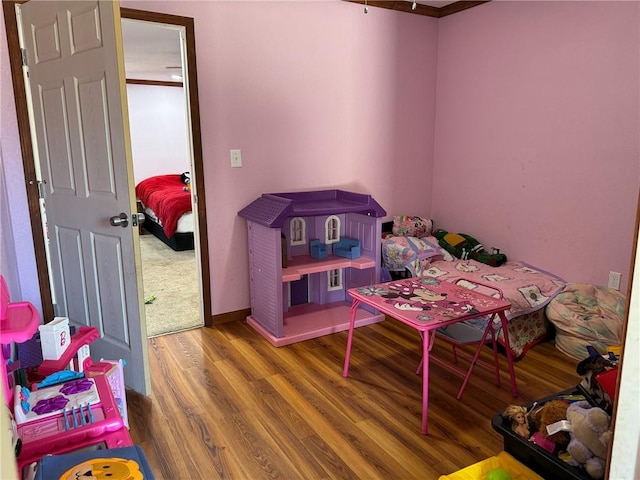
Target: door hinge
x,y
25,58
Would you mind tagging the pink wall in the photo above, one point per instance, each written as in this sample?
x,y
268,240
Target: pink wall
x,y
537,131
543,95
317,95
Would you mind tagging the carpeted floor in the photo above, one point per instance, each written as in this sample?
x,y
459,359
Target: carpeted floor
x,y
171,277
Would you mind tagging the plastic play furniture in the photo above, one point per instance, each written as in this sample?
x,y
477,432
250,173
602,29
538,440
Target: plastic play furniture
x,y
295,300
317,249
76,355
18,323
426,304
347,247
460,334
63,431
68,430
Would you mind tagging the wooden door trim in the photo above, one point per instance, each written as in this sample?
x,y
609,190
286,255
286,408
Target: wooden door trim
x,y
196,134
426,10
28,160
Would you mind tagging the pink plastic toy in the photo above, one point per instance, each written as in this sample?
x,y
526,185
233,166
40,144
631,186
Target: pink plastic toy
x,y
88,417
18,323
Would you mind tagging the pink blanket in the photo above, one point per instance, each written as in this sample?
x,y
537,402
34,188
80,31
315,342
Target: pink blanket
x,y
526,287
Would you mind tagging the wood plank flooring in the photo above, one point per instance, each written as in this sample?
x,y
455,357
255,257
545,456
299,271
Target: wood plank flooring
x,y
228,405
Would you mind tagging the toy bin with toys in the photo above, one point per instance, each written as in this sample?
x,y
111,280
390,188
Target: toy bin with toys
x,y
546,456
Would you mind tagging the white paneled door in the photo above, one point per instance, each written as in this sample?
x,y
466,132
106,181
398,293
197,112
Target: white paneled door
x,y
76,79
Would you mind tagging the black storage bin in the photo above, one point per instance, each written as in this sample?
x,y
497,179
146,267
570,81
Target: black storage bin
x,y
548,466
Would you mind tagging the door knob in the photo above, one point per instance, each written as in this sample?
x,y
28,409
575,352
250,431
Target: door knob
x,y
121,220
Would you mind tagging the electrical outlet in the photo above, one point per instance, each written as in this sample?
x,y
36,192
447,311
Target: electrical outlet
x,y
614,280
236,158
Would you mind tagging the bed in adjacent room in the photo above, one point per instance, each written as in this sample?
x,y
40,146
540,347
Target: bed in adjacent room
x,y
166,203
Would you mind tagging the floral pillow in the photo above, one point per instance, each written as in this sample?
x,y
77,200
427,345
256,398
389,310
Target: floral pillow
x,y
406,226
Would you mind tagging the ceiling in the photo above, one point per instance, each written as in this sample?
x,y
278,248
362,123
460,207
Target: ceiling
x,y
152,50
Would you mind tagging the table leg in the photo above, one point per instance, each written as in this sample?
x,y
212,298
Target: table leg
x,y
352,322
421,360
494,343
512,373
425,384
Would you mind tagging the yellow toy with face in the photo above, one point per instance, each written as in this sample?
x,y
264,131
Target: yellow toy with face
x,y
104,469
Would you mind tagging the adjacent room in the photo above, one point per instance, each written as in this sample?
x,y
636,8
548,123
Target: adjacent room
x,y
161,152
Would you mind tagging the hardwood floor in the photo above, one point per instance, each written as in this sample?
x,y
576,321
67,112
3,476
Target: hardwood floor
x,y
228,405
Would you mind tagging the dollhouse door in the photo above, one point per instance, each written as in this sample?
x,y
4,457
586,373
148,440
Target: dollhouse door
x,y
75,66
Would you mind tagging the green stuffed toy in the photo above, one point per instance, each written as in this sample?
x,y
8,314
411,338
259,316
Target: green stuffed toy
x,y
498,474
466,247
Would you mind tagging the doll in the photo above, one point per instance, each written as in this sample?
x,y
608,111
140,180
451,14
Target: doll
x,y
519,421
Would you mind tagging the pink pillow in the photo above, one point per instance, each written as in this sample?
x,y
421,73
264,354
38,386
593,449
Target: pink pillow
x,y
406,226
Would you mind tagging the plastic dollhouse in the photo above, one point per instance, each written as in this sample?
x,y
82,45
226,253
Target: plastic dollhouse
x,y
306,250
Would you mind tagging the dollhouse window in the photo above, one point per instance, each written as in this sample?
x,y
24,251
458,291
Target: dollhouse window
x,y
332,229
334,279
298,230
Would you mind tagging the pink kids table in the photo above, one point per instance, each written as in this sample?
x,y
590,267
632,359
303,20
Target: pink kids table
x,y
426,304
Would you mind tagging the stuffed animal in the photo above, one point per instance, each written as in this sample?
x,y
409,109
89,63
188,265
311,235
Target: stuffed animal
x,y
550,413
185,178
590,437
590,368
466,247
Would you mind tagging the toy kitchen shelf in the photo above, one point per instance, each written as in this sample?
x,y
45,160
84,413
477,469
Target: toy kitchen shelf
x,y
292,297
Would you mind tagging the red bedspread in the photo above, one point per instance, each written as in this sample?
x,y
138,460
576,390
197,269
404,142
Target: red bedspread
x,y
165,195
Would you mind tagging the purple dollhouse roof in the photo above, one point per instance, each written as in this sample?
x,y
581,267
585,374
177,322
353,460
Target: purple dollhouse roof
x,y
272,209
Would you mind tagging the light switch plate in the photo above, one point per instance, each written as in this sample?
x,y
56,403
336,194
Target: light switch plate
x,y
236,158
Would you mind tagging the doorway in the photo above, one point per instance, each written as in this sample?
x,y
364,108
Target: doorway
x,y
161,145
32,177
